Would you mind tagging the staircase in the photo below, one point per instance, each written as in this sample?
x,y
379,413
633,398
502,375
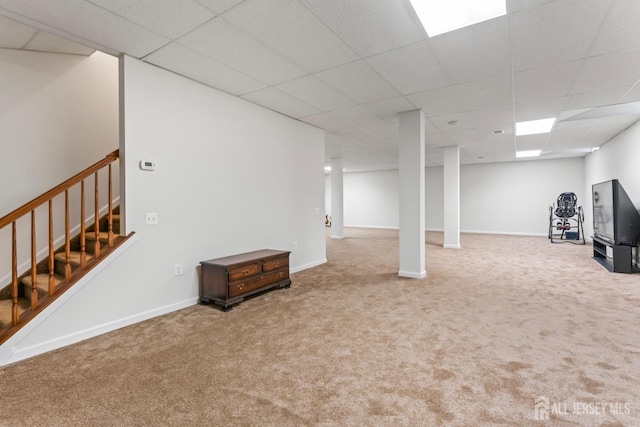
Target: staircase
x,y
31,291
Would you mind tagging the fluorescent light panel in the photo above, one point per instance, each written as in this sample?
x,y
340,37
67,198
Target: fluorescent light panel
x,y
442,16
535,126
528,153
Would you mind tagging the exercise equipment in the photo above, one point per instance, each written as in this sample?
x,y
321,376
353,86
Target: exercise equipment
x,y
566,220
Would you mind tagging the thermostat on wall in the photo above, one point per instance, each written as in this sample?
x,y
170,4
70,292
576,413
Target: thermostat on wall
x,y
146,165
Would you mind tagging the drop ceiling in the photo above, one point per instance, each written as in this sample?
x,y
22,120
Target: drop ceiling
x,y
349,67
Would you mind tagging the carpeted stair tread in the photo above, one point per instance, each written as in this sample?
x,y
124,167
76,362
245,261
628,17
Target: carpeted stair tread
x,y
42,281
74,257
6,309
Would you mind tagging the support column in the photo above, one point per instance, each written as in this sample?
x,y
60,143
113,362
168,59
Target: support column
x,y
337,199
411,175
452,197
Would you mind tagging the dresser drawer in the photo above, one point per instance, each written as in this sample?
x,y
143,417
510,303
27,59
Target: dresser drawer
x,y
274,264
242,272
244,286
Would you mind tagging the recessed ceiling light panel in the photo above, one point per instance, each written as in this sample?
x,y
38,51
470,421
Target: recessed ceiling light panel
x,y
528,153
442,16
535,126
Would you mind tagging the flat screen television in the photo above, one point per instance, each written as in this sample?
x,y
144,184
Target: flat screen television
x,y
615,219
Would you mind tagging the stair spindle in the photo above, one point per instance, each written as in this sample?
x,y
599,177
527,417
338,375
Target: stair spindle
x,y
97,218
110,214
14,275
52,282
63,262
83,246
67,238
34,273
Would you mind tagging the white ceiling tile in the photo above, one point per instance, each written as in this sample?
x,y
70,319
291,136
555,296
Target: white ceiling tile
x,y
560,144
369,26
45,42
566,135
531,142
196,66
89,22
358,117
596,98
14,34
493,116
608,71
292,30
279,101
555,32
359,82
539,109
222,41
219,6
504,157
437,102
545,82
410,69
462,120
632,94
385,131
168,18
619,123
437,140
388,109
429,127
475,52
516,5
314,91
325,121
491,92
620,30
463,136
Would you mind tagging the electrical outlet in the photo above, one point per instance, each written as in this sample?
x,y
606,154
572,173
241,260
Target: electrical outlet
x,y
177,269
152,218
295,245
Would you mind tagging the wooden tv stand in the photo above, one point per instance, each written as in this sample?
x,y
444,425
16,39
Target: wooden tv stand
x,y
230,280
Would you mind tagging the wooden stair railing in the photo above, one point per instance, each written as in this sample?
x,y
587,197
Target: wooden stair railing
x,y
55,286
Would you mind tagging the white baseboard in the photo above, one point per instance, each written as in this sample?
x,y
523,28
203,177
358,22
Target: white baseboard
x,y
505,233
412,275
10,351
307,266
446,246
373,226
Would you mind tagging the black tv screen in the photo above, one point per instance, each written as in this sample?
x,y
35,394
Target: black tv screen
x,y
603,211
615,218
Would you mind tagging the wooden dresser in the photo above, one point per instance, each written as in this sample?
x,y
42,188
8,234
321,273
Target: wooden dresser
x,y
228,281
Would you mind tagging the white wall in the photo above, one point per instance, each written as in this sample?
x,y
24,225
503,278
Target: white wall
x,y
514,197
617,159
504,198
371,199
58,115
231,177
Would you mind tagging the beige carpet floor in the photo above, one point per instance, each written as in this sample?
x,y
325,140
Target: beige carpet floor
x,y
496,325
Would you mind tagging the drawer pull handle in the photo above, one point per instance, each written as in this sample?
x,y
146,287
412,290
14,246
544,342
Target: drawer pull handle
x,y
245,272
276,264
281,274
240,285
